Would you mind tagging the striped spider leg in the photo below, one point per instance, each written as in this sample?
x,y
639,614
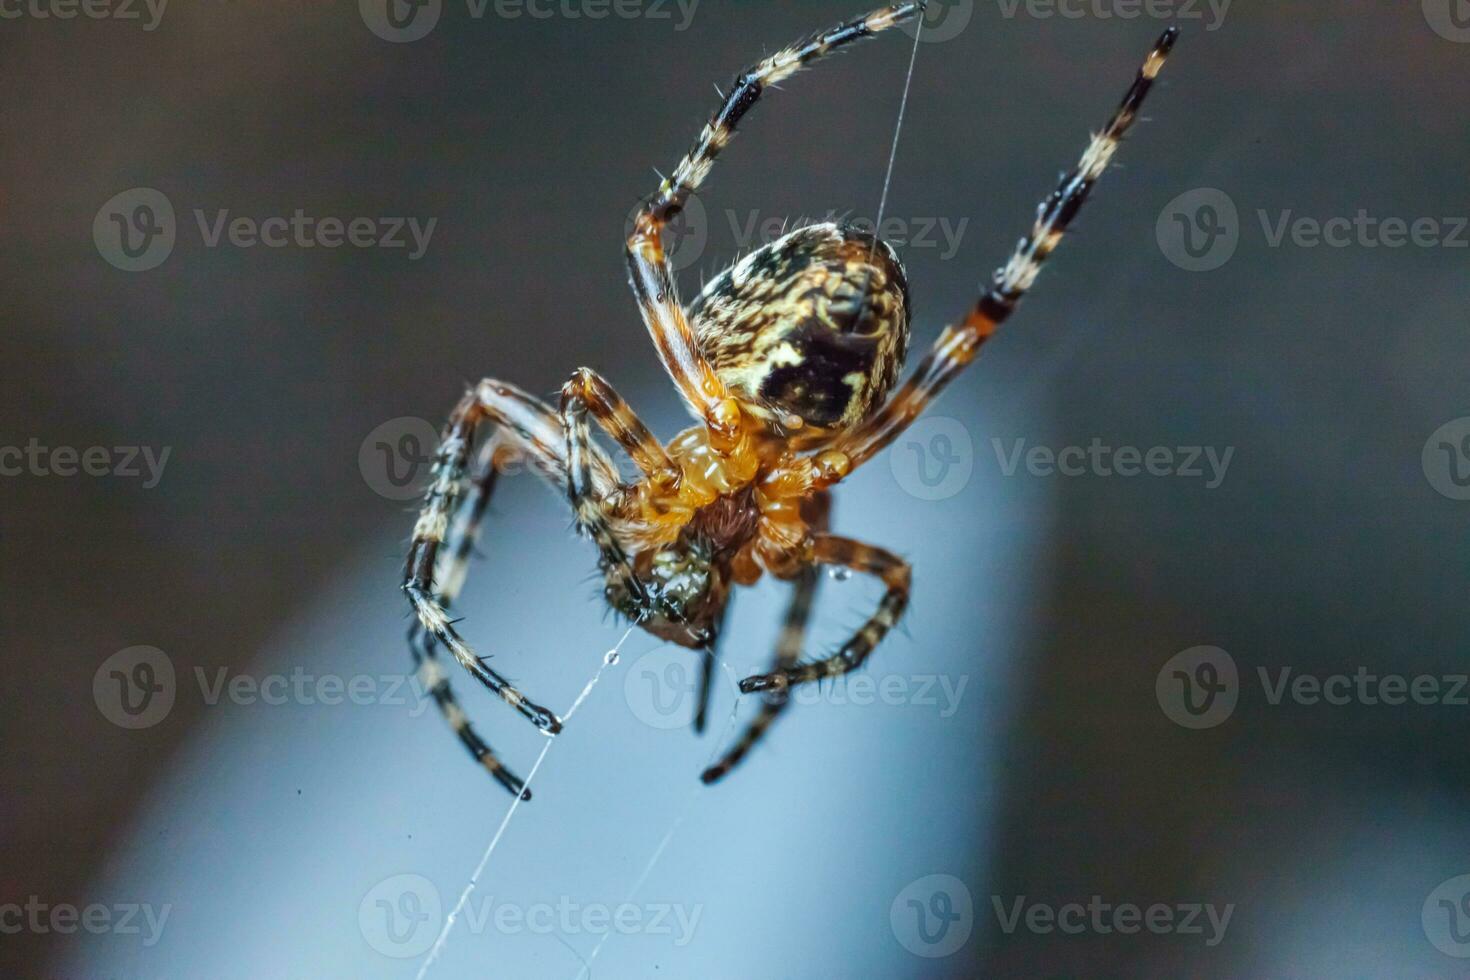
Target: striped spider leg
x,y
524,429
451,568
958,345
952,352
839,552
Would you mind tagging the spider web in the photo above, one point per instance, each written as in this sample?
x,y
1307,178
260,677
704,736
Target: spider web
x,y
612,657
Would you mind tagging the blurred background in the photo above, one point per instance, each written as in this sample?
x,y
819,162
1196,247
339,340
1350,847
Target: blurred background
x,y
1181,690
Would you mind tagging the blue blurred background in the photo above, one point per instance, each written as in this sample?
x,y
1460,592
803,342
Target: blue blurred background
x,y
1018,746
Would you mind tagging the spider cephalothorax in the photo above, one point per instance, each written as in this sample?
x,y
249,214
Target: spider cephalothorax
x,y
787,360
683,591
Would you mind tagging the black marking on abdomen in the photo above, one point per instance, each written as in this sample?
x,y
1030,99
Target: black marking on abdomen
x,y
814,325
833,369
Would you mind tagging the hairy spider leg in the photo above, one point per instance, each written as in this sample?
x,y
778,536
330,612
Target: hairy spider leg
x,y
650,272
587,393
829,549
531,428
452,568
618,420
958,345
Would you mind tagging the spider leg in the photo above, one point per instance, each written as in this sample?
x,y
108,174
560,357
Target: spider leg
x,y
619,421
958,345
650,272
436,683
706,687
533,431
829,549
707,669
788,653
453,566
586,393
788,650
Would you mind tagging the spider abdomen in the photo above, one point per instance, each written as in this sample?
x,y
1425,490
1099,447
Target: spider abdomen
x,y
814,325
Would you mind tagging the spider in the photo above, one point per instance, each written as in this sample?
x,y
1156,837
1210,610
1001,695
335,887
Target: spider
x,y
786,359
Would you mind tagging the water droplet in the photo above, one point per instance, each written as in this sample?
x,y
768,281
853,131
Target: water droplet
x,y
610,658
839,574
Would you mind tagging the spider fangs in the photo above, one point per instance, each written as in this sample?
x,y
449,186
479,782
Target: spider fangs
x,y
786,360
